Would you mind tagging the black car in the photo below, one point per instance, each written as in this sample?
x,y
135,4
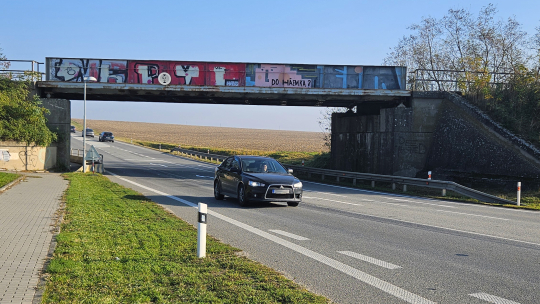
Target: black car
x,y
106,136
72,129
256,178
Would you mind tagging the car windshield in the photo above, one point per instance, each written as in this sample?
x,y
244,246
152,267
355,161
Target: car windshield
x,y
89,130
258,165
107,134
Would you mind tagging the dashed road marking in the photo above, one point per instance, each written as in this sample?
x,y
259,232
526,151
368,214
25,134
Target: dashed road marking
x,y
492,299
371,260
290,235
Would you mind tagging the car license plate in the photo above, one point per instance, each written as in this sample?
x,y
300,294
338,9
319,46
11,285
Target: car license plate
x,y
280,191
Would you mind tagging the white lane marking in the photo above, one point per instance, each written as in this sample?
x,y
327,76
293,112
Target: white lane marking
x,y
204,176
388,194
325,199
346,269
290,235
327,193
469,214
491,298
371,260
402,200
426,199
450,229
158,165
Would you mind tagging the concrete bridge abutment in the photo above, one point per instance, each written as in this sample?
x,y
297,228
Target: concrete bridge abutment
x,y
433,131
59,121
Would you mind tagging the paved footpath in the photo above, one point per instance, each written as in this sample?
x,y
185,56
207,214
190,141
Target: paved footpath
x,y
27,215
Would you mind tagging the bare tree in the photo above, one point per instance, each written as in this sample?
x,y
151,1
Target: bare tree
x,y
461,47
535,46
325,123
4,65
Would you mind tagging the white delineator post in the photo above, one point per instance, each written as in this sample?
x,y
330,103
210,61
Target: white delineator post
x,y
84,132
519,193
201,230
429,175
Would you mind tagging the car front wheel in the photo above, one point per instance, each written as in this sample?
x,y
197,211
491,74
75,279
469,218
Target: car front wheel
x,y
217,191
242,199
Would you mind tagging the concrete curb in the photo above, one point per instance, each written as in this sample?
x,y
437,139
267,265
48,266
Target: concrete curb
x,y
12,183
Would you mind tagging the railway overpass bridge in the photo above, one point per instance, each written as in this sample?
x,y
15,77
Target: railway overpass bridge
x,y
224,82
393,131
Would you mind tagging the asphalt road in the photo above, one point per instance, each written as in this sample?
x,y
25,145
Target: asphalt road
x,y
350,245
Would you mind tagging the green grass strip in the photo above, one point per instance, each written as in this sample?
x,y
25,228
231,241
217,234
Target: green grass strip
x,y
116,246
6,178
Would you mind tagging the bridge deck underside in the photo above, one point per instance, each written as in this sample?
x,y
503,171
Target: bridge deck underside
x,y
220,95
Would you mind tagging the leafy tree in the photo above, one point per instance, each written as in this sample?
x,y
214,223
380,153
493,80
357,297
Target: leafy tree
x,y
22,119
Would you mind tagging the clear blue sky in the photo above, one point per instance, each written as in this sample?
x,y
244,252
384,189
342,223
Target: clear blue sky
x,y
352,32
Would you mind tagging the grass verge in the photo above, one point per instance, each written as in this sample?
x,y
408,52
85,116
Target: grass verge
x,y
77,125
6,178
116,246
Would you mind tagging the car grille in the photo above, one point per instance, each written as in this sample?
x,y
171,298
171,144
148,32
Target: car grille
x,y
289,195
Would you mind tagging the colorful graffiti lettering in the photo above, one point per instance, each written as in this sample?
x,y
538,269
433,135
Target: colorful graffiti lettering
x,y
229,74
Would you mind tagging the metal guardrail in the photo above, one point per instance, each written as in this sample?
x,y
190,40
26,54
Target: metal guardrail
x,y
16,73
394,180
79,153
453,80
76,152
200,155
405,181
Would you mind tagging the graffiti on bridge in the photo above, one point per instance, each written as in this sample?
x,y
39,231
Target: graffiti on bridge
x,y
228,74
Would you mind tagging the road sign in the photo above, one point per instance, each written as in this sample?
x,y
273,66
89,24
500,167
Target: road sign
x,y
164,78
92,155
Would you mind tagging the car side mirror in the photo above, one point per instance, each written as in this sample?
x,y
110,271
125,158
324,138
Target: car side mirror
x,y
290,170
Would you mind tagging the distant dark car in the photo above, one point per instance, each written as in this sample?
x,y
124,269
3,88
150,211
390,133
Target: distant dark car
x,y
89,133
106,136
256,178
72,129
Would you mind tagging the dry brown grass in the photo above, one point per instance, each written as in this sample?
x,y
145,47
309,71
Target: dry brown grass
x,y
215,137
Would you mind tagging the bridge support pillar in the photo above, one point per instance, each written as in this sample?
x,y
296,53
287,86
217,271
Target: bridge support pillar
x,y
59,121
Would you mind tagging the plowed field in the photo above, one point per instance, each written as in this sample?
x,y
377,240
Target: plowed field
x,y
214,137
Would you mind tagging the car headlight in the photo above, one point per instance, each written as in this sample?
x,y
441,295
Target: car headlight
x,y
298,184
255,184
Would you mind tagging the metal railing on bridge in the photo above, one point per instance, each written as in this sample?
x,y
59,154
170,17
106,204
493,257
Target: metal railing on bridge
x,y
354,176
453,80
16,74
